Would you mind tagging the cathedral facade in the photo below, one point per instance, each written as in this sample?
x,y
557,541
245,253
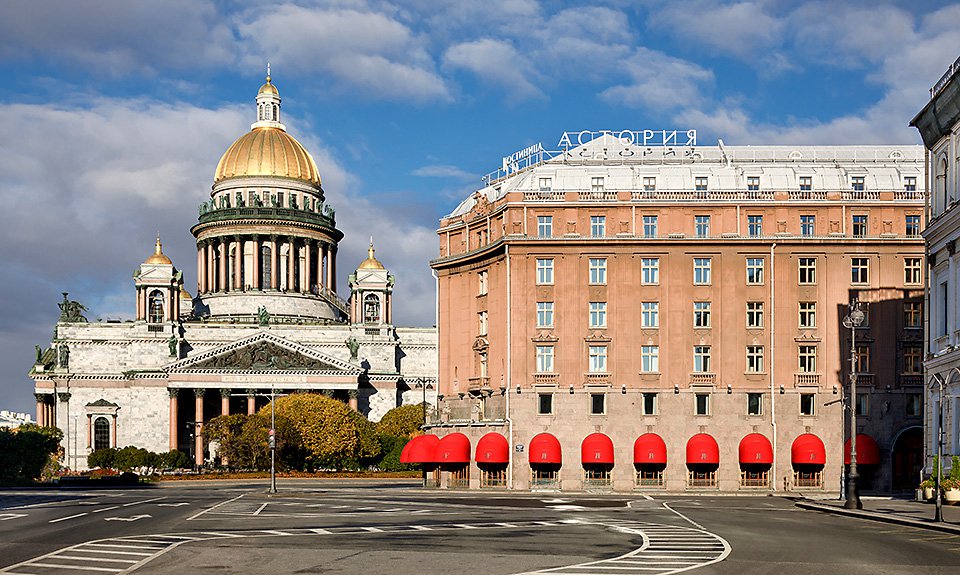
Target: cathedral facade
x,y
266,318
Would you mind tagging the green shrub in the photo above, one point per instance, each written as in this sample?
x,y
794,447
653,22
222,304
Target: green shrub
x,y
391,447
174,459
25,451
104,458
402,421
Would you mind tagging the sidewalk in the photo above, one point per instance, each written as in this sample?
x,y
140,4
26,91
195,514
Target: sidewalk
x,y
891,510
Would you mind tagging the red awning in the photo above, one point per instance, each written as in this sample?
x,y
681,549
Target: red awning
x,y
419,449
493,448
649,448
453,448
545,449
596,448
807,449
756,448
703,448
868,452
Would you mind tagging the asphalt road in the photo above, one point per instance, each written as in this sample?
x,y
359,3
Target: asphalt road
x,y
395,528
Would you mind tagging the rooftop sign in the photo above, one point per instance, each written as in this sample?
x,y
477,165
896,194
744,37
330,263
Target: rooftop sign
x,y
631,137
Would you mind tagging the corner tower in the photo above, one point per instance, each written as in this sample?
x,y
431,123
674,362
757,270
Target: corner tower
x,y
266,238
371,293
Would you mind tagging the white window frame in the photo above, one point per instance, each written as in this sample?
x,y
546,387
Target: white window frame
x,y
702,271
755,359
650,224
701,359
755,265
598,271
598,226
650,314
807,318
544,271
544,226
598,314
754,314
544,314
597,359
650,359
650,271
544,358
701,314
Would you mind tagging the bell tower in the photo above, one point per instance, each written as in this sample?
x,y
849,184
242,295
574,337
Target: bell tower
x,y
371,293
159,285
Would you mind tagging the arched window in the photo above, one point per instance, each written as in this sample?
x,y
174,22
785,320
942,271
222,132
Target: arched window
x,y
101,433
940,190
266,269
156,307
371,308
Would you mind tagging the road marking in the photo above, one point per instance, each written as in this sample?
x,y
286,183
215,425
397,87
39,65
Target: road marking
x,y
135,553
131,518
106,509
65,518
9,516
144,501
566,507
191,518
95,544
682,516
172,504
261,508
80,567
78,558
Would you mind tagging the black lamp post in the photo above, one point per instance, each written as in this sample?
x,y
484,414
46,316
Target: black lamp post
x,y
853,320
938,513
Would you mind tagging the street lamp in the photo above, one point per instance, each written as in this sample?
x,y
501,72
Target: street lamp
x,y
853,320
938,514
273,440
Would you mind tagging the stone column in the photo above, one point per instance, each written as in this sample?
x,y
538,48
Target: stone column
x,y
211,279
51,413
291,262
308,276
198,417
113,438
352,402
255,283
238,263
89,431
251,401
222,250
174,439
274,262
224,401
139,304
333,269
41,409
326,256
200,278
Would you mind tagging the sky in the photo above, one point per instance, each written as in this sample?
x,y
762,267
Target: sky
x,y
115,114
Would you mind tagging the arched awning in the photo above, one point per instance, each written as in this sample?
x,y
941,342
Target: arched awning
x,y
453,448
596,448
649,448
807,449
420,449
545,449
493,448
703,448
868,452
755,449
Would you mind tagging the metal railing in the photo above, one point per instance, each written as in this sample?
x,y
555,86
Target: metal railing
x,y
754,478
808,479
493,477
701,479
649,478
544,479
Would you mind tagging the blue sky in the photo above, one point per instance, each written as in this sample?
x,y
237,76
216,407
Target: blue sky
x,y
115,114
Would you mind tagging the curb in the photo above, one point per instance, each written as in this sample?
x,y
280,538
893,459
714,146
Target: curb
x,y
881,517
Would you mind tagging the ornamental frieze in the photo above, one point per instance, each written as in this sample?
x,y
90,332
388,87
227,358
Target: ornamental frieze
x,y
263,356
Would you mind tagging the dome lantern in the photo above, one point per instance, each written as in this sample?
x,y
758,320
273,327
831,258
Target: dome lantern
x,y
158,256
268,106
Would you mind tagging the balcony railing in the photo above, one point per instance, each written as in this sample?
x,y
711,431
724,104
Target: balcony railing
x,y
701,479
546,378
649,479
806,379
598,196
754,479
596,378
908,195
699,378
860,195
865,379
543,196
809,480
911,379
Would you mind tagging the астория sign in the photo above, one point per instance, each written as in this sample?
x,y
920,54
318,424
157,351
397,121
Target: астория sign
x,y
632,137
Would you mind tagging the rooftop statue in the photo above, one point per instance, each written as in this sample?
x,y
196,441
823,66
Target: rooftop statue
x,y
71,311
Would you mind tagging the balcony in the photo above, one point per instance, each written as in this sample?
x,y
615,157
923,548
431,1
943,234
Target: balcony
x,y
699,378
546,378
543,196
859,195
806,379
478,384
864,379
598,196
596,378
809,195
911,379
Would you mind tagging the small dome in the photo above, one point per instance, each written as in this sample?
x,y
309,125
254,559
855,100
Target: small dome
x,y
158,257
268,88
185,295
267,151
371,263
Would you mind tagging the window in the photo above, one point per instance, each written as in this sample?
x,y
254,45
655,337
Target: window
x,y
156,307
755,225
598,359
544,314
807,268
649,226
702,226
700,183
650,314
806,183
912,314
753,183
808,225
598,226
859,270
649,406
701,404
701,314
913,225
859,226
482,282
544,226
754,404
482,323
755,314
544,271
808,404
650,270
598,271
912,360
911,271
914,405
546,184
650,359
701,359
808,314
910,183
701,271
754,359
649,184
807,359
596,184
863,404
597,403
754,271
598,314
862,355
101,433
544,403
545,359
857,183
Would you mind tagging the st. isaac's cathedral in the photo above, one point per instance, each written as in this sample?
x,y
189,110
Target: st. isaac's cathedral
x,y
266,318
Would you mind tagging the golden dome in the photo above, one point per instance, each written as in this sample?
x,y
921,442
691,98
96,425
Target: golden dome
x,y
267,151
185,295
371,263
158,257
268,88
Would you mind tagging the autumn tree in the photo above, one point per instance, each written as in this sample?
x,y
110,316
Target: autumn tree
x,y
402,421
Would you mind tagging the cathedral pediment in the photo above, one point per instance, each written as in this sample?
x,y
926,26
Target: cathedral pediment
x,y
264,352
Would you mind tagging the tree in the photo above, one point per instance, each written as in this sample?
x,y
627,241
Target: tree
x,y
226,430
26,450
402,421
103,458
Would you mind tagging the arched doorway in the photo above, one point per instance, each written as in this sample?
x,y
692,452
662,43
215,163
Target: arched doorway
x,y
907,458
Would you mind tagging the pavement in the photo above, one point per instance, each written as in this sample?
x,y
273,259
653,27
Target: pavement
x,y
900,511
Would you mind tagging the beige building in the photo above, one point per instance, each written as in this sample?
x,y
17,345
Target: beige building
x,y
626,316
266,319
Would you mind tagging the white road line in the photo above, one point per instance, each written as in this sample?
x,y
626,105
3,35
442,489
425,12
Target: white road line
x,y
372,529
119,546
421,527
144,501
261,508
105,559
319,531
191,518
134,553
80,567
66,518
105,509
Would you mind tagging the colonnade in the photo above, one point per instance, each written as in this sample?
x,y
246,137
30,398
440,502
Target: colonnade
x,y
222,267
45,409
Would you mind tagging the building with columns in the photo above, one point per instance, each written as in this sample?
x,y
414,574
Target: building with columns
x,y
266,318
625,314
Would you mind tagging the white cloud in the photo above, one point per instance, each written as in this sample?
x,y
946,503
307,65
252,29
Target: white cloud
x,y
743,29
659,81
495,62
438,171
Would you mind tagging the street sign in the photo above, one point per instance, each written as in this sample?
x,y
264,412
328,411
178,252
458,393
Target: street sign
x,y
518,448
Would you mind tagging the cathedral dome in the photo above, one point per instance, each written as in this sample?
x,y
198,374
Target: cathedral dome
x,y
158,256
371,263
